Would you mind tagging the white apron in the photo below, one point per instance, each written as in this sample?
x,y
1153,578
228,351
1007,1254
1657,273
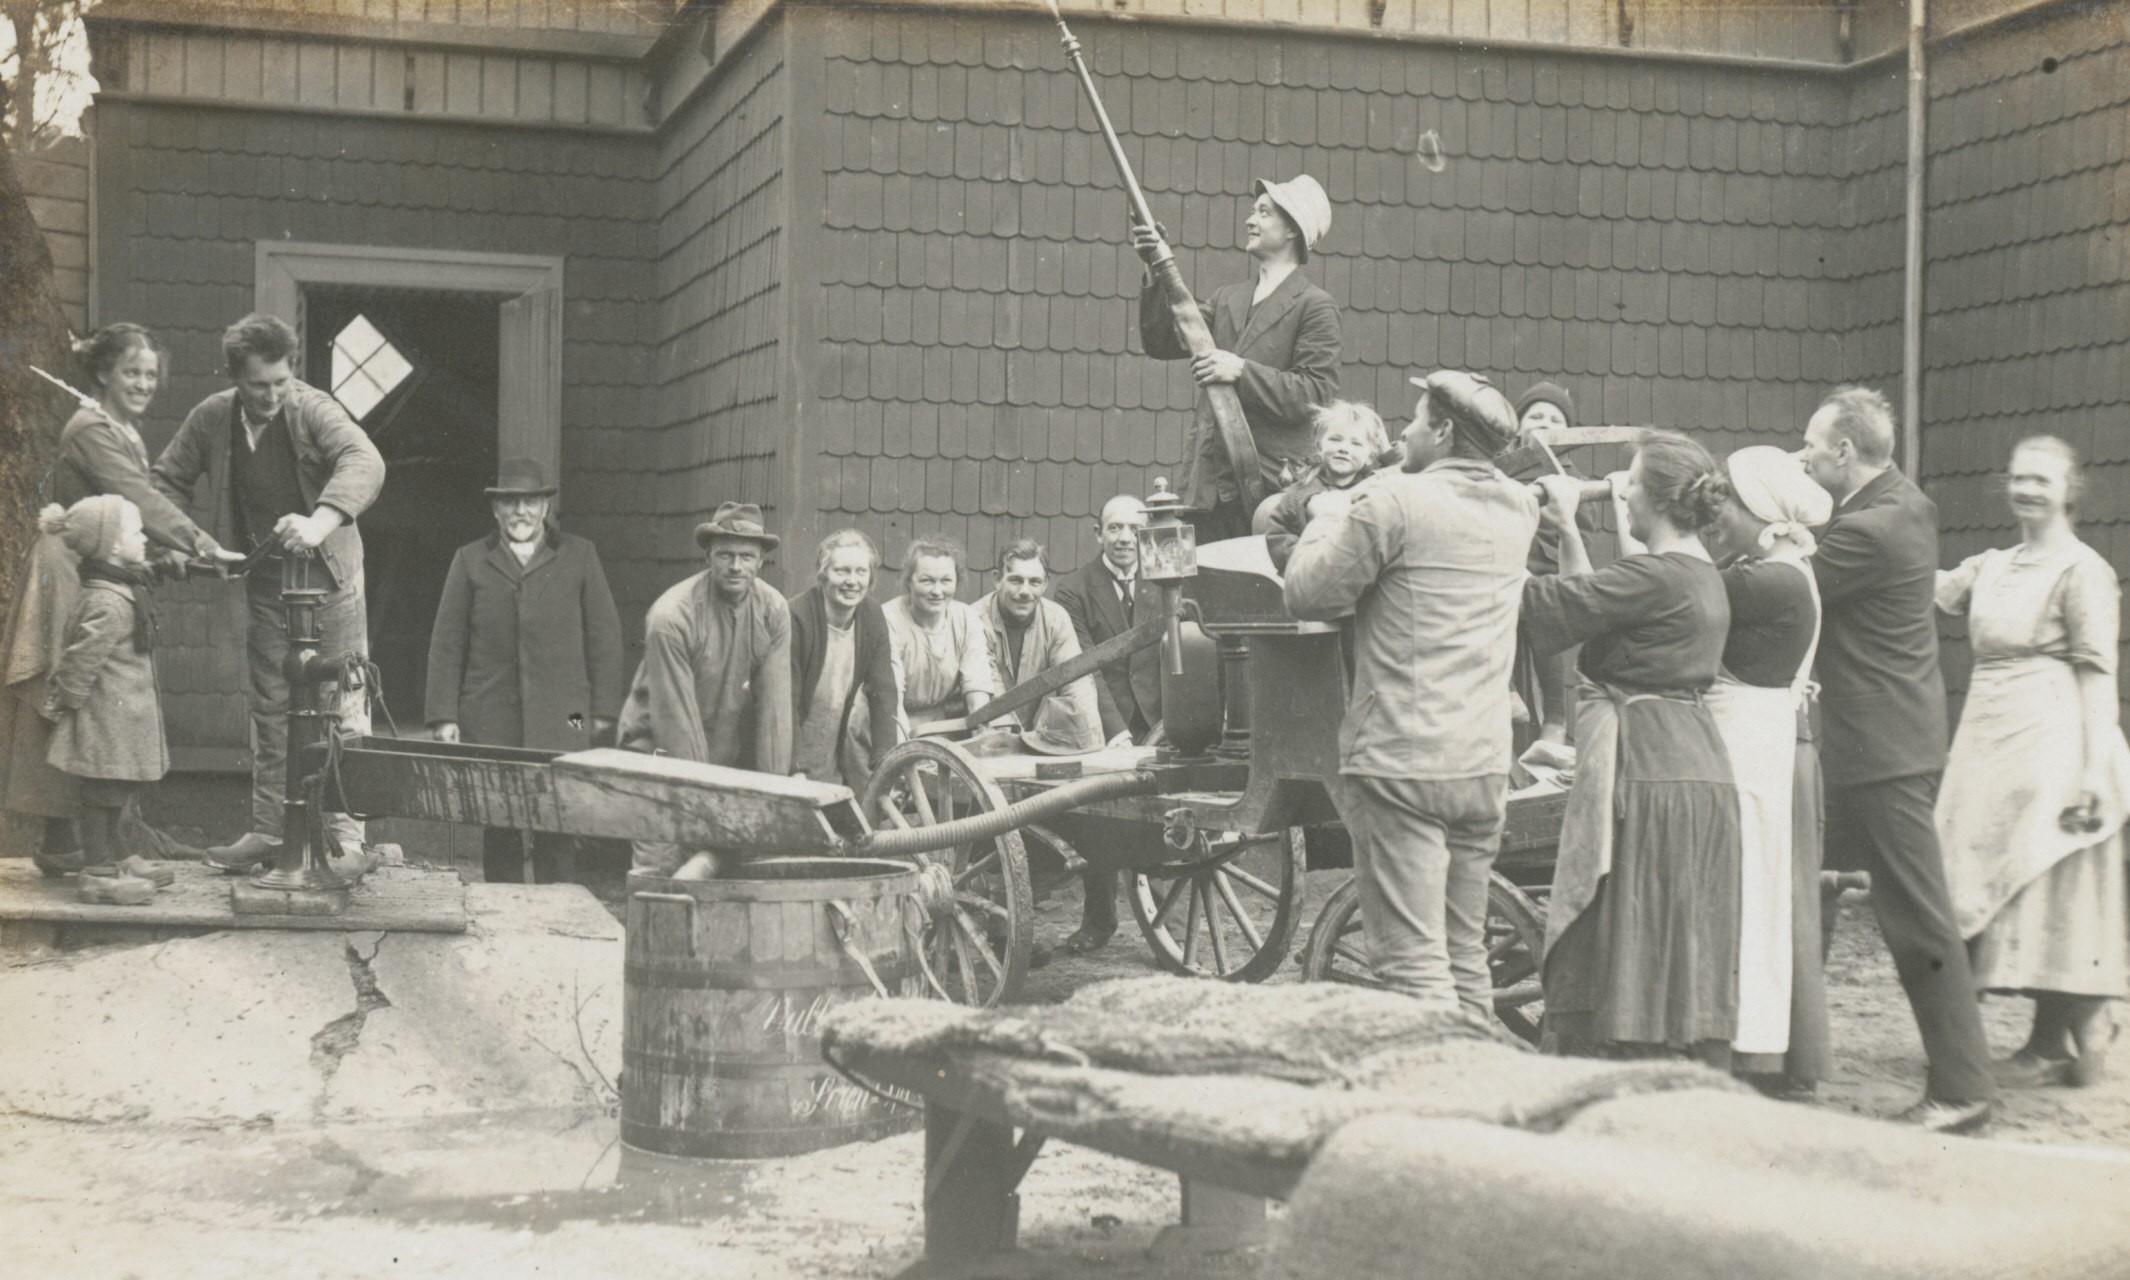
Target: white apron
x,y
1759,729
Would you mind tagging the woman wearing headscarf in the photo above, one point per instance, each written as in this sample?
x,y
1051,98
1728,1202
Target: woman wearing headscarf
x,y
1642,928
2031,810
1763,542
100,452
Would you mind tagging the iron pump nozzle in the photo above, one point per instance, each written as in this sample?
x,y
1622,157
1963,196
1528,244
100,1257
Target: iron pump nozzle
x,y
1168,554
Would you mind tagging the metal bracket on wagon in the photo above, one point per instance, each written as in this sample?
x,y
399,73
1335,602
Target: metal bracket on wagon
x,y
1179,829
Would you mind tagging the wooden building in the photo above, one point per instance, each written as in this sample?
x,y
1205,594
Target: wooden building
x,y
865,264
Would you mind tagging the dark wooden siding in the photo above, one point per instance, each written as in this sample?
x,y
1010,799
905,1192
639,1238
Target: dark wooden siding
x,y
1660,236
2028,298
186,193
720,204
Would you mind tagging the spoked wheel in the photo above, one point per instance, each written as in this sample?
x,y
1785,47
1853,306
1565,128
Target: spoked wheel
x,y
1228,912
1515,935
979,909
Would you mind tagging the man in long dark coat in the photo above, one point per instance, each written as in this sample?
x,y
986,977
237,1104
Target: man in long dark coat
x,y
526,650
1883,745
1278,340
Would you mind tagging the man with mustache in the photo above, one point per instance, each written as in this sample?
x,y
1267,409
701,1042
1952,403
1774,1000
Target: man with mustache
x,y
526,652
715,682
1029,635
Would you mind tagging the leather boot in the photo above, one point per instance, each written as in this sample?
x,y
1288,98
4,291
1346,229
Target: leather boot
x,y
1098,912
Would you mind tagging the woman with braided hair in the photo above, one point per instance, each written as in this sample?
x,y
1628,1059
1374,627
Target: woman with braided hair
x,y
1642,930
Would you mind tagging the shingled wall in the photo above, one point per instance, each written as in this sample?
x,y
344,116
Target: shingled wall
x,y
2028,288
186,192
720,204
1662,236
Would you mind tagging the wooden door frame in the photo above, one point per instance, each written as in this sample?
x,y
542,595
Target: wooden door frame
x,y
529,394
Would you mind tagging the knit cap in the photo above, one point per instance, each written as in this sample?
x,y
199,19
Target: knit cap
x,y
90,527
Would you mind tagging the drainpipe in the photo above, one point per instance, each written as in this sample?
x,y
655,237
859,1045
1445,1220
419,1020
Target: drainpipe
x,y
1912,274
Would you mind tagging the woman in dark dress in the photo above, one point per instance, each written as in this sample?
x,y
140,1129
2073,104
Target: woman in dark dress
x,y
100,451
1642,930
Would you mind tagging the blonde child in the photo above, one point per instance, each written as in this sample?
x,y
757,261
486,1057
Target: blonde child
x,y
1350,438
107,726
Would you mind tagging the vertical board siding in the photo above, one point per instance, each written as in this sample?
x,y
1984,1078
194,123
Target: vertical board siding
x,y
2027,324
1661,238
185,195
719,205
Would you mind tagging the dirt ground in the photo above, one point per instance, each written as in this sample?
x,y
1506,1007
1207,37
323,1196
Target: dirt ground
x,y
528,1193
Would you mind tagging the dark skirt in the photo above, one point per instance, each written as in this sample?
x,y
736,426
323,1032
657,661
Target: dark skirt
x,y
1653,960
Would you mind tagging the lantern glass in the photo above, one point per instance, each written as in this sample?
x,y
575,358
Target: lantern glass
x,y
1168,551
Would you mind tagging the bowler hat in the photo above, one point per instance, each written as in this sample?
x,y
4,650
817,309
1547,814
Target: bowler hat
x,y
521,478
736,520
1303,200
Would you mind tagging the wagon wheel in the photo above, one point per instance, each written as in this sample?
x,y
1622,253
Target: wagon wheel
x,y
1515,934
1229,911
976,942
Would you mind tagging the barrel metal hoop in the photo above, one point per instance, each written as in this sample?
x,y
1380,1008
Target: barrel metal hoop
x,y
721,1066
657,976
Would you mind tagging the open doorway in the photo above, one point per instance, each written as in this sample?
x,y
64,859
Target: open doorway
x,y
419,369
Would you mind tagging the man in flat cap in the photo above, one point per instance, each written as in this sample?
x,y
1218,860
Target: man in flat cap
x,y
526,652
1432,557
715,683
1278,340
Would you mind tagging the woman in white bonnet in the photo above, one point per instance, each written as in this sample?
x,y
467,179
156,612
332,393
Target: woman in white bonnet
x,y
1763,543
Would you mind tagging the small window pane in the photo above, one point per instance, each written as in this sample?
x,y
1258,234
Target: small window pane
x,y
366,368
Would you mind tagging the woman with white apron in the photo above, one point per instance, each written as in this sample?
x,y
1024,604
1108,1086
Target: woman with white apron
x,y
1763,542
2032,808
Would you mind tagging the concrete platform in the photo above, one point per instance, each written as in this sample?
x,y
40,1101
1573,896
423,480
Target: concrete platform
x,y
396,899
298,1027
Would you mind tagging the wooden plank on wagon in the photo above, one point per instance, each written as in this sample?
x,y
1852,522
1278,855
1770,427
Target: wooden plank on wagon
x,y
628,795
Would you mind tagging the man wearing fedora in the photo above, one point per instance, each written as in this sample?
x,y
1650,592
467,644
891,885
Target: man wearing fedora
x,y
1278,339
715,682
526,651
1028,635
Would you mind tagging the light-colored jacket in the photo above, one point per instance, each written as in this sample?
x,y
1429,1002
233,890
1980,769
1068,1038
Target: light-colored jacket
x,y
1432,565
1048,641
108,723
336,466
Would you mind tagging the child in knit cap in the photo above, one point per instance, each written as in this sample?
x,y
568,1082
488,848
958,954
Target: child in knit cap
x,y
107,726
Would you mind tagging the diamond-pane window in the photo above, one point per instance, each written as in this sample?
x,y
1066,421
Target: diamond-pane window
x,y
365,367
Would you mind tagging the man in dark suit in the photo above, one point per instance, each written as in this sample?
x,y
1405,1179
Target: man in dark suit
x,y
1278,339
1104,598
1883,744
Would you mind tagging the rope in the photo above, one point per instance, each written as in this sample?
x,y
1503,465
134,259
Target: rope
x,y
841,923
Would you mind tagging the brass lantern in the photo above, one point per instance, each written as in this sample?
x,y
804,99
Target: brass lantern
x,y
1168,554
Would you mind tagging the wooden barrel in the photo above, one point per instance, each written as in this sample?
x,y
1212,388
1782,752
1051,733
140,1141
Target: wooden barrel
x,y
726,983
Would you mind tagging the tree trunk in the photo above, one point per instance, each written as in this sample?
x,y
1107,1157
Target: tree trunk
x,y
32,331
